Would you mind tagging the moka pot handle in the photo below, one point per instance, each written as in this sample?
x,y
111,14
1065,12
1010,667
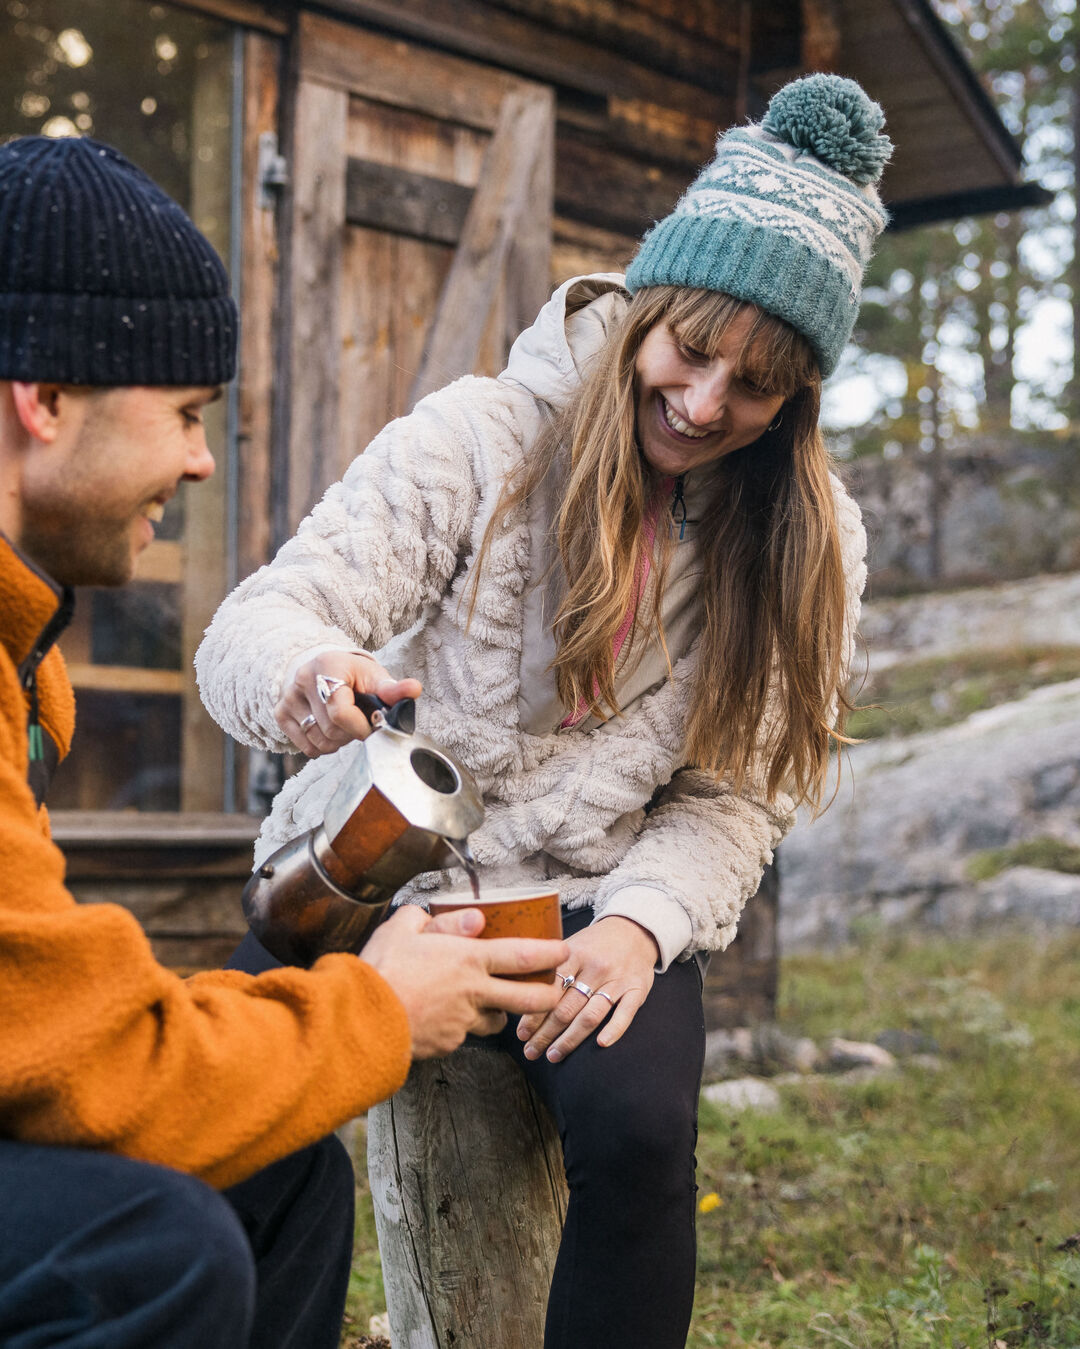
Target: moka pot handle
x,y
401,716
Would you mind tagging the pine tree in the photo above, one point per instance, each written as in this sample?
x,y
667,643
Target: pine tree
x,y
945,306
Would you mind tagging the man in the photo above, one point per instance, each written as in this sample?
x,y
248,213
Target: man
x,y
166,1178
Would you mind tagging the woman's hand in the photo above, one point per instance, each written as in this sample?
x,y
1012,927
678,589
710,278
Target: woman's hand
x,y
614,957
316,727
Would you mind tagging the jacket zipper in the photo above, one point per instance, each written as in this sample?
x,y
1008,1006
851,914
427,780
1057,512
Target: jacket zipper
x,y
678,505
38,771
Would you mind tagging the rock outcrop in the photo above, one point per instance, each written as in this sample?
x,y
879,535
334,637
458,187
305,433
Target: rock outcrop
x,y
913,813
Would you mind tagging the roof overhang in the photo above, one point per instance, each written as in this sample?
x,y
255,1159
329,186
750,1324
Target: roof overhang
x,y
954,155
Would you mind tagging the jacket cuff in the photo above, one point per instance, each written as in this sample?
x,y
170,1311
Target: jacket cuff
x,y
660,915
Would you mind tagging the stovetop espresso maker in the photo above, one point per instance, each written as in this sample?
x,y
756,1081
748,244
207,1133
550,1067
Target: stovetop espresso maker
x,y
405,806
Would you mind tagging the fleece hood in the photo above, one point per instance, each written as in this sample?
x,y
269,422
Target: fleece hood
x,y
549,358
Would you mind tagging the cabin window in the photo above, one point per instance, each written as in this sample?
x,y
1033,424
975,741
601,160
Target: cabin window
x,y
160,83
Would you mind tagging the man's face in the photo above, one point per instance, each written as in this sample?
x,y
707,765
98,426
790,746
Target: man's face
x,y
90,501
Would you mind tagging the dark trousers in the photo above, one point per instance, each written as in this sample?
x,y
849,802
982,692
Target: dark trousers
x,y
102,1252
627,1116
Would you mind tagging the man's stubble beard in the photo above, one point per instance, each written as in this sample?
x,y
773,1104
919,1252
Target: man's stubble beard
x,y
80,552
66,529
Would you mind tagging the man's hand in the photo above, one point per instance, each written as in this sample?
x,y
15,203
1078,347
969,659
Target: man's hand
x,y
334,723
448,982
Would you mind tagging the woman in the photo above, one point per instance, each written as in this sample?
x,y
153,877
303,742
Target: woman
x,y
628,586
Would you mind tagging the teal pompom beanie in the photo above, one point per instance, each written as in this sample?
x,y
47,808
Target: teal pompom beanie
x,y
786,215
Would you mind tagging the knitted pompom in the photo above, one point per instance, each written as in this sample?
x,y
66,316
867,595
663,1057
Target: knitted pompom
x,y
834,119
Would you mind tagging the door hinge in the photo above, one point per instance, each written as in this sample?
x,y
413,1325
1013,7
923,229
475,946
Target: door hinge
x,y
273,172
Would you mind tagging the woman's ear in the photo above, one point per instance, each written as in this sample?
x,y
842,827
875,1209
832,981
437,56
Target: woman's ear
x,y
38,408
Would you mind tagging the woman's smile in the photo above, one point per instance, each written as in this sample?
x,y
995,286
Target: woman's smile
x,y
678,425
693,407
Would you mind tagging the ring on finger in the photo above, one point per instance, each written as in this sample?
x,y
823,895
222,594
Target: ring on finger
x,y
567,980
326,686
579,987
599,993
308,721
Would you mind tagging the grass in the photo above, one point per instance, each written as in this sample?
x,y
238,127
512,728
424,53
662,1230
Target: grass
x,y
922,1209
365,1297
1046,852
927,694
938,1206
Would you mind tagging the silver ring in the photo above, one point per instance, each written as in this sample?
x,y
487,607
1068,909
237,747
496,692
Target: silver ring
x,y
579,987
599,993
309,720
567,980
326,686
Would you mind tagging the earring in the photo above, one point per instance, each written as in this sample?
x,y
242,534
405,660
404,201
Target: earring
x,y
776,424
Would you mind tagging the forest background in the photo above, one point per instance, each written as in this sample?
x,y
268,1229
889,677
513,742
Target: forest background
x,y
968,328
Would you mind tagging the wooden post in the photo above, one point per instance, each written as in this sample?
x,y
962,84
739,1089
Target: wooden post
x,y
822,35
467,1180
740,987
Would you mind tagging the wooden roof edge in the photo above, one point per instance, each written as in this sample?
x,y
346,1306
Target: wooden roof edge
x,y
905,215
523,46
946,56
268,16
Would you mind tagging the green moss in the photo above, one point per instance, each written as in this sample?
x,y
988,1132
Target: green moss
x,y
928,694
1050,854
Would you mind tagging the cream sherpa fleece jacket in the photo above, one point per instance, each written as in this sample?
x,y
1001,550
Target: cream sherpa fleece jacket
x,y
612,814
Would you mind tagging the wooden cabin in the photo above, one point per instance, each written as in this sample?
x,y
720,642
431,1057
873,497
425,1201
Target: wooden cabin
x,y
395,186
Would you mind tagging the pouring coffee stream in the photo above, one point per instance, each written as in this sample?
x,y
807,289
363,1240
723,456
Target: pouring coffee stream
x,y
468,861
405,806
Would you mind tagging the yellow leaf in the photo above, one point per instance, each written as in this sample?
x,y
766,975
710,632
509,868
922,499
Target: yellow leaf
x,y
709,1201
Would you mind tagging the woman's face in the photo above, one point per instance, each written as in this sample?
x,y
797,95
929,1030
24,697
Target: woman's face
x,y
692,409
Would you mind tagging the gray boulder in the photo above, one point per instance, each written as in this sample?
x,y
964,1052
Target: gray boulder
x,y
744,1093
896,845
764,1050
904,1044
844,1055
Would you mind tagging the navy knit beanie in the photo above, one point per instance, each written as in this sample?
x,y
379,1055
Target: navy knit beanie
x,y
104,281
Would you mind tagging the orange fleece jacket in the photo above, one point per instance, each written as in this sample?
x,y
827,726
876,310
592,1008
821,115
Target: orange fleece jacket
x,y
101,1047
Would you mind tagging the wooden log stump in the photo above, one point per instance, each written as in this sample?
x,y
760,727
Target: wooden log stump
x,y
467,1180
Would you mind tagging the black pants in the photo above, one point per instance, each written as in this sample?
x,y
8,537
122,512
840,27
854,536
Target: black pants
x,y
627,1116
102,1252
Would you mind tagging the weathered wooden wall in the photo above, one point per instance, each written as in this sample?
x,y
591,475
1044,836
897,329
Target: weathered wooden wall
x,y
180,875
641,88
418,220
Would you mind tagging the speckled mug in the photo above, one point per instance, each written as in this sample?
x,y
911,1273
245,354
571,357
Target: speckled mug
x,y
511,911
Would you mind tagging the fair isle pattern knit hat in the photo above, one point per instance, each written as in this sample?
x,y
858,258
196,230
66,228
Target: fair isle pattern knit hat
x,y
786,215
104,280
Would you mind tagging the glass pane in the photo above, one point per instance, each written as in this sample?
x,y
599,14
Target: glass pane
x,y
157,82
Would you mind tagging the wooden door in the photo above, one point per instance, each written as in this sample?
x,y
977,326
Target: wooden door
x,y
419,237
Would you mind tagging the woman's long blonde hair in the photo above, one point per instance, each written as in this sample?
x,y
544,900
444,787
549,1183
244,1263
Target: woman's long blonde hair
x,y
772,592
